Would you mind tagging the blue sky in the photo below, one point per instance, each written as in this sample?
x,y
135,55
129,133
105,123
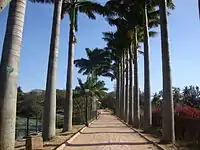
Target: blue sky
x,y
184,27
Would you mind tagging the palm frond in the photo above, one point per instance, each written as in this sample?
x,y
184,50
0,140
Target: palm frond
x,y
90,8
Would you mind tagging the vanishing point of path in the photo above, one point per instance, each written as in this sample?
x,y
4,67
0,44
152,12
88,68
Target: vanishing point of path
x,y
108,133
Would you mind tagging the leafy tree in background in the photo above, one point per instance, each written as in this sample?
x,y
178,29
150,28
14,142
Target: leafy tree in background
x,y
109,101
156,101
31,106
60,98
191,96
177,96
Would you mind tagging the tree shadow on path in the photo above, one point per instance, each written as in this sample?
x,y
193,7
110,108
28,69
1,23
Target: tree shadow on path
x,y
107,132
105,144
108,126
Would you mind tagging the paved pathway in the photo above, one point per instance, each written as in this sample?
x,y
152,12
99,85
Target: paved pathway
x,y
108,133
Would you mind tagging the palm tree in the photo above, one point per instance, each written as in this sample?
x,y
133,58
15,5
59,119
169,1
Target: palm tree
x,y
123,88
97,62
50,98
118,89
49,119
127,88
168,109
117,43
72,8
130,86
95,87
136,88
9,68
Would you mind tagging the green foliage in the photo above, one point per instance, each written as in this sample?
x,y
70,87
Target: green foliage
x,y
96,87
30,104
189,95
87,7
59,121
109,101
156,101
98,60
60,98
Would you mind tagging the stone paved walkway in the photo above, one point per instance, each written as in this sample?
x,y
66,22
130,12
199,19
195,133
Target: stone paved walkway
x,y
108,133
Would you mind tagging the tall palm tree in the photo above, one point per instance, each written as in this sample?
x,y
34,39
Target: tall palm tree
x,y
127,88
123,87
9,68
118,91
72,8
147,86
130,86
126,12
118,42
136,86
95,87
168,108
49,118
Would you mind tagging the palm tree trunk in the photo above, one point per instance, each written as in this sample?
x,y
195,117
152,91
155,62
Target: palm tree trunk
x,y
68,105
147,87
49,120
27,125
168,108
86,110
122,88
9,73
130,86
127,89
118,90
136,89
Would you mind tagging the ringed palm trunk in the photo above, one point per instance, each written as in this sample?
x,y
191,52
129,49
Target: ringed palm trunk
x,y
130,86
116,92
49,120
9,76
68,103
127,89
147,87
118,89
168,108
121,85
136,89
122,90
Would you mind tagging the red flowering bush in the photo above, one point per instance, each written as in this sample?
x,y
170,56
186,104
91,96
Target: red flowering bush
x,y
186,111
190,112
156,109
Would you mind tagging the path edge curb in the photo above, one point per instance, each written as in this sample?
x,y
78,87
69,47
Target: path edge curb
x,y
72,137
142,135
